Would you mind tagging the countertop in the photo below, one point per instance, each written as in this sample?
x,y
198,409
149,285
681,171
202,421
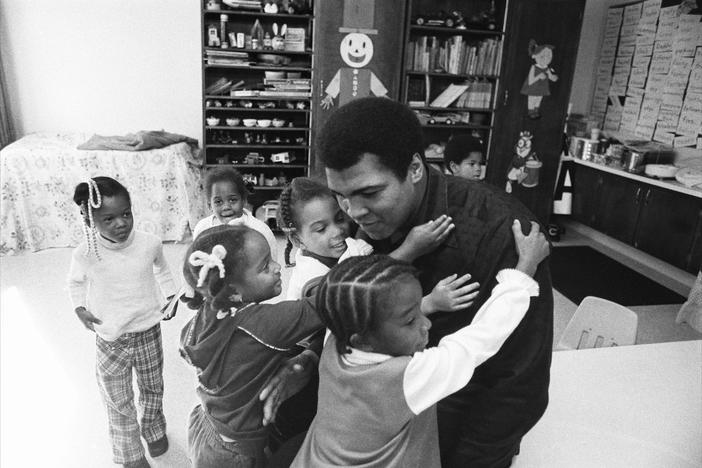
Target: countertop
x,y
670,184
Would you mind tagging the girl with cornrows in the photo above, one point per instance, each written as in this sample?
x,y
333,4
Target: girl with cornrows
x,y
236,343
315,223
118,279
378,384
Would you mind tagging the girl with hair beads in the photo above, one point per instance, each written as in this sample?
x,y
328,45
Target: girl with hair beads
x,y
117,281
236,343
226,196
378,384
314,222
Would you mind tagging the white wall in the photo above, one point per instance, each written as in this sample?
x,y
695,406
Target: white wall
x,y
102,66
588,53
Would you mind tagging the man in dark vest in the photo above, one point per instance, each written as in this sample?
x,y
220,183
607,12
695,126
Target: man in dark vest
x,y
372,152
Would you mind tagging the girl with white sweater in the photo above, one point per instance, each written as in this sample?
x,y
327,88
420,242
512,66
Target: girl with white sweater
x,y
117,281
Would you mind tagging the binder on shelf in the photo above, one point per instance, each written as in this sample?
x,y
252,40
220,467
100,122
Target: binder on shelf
x,y
450,94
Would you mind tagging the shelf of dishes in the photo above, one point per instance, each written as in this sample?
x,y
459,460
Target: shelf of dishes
x,y
254,146
230,123
259,51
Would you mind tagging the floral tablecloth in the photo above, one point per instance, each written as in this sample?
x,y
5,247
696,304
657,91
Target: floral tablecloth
x,y
39,172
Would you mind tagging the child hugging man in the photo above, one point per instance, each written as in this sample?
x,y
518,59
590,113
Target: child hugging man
x,y
464,157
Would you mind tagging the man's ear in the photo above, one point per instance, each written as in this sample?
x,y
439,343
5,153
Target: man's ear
x,y
416,168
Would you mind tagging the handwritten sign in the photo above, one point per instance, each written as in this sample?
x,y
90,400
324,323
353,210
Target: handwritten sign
x,y
637,78
679,74
634,92
685,140
649,112
663,136
641,61
695,83
687,35
666,29
612,119
690,122
655,84
632,13
628,50
660,62
609,47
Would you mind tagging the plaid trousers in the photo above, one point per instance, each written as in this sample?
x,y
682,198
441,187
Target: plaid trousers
x,y
115,359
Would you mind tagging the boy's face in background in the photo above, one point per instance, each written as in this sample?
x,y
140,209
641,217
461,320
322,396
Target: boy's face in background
x,y
401,328
226,202
470,167
114,220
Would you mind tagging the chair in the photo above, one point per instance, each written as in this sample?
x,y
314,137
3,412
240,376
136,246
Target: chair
x,y
599,323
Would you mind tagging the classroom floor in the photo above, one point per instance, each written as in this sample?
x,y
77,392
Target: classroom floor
x,y
52,414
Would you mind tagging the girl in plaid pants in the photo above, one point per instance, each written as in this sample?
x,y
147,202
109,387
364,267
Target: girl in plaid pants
x,y
117,281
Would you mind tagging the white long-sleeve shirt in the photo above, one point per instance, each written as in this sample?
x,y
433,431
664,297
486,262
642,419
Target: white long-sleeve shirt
x,y
437,372
246,219
126,288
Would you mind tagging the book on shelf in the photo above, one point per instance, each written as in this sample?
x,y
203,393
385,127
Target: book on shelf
x,y
455,55
449,95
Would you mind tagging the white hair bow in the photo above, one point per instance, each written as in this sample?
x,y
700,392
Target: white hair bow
x,y
208,261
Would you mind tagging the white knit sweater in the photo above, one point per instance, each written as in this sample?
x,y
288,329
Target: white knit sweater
x,y
121,289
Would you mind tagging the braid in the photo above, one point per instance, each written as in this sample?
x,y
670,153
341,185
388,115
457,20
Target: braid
x,y
94,201
353,292
288,249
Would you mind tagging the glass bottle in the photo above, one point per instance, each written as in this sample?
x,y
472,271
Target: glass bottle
x,y
257,34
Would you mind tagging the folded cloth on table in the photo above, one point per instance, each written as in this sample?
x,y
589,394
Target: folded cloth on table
x,y
140,141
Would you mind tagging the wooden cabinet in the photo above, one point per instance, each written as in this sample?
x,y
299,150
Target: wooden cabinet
x,y
658,221
256,98
451,67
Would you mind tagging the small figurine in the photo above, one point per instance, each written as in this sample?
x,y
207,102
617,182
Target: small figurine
x,y
278,42
522,155
536,84
270,7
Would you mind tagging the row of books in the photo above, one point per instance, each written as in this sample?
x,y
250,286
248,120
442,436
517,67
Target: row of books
x,y
472,94
455,55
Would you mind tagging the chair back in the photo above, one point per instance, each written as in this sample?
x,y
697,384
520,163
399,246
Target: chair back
x,y
599,323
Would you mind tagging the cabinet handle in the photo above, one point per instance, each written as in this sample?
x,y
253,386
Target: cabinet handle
x,y
648,195
506,97
638,195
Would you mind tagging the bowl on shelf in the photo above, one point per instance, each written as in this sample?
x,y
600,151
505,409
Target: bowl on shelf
x,y
263,123
233,121
278,123
249,122
275,75
212,121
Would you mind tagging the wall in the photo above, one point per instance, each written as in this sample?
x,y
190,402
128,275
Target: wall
x,y
102,66
588,52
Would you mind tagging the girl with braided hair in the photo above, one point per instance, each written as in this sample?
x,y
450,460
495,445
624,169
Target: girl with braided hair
x,y
314,222
378,383
236,343
118,279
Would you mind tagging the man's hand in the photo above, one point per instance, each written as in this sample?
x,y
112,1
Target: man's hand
x,y
290,379
532,248
86,318
450,295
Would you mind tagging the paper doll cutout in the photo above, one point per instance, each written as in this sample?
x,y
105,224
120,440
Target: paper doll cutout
x,y
536,85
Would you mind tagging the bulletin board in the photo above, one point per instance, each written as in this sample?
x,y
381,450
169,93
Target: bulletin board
x,y
649,73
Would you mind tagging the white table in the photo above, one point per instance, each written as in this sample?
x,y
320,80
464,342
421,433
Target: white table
x,y
629,406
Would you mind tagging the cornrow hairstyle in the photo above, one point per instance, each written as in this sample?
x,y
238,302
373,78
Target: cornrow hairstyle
x,y
214,290
88,196
459,147
225,174
299,191
376,125
353,294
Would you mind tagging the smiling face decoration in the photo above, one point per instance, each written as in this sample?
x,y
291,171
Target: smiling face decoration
x,y
356,50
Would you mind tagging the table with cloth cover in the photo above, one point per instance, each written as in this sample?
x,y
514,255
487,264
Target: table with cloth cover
x,y
39,172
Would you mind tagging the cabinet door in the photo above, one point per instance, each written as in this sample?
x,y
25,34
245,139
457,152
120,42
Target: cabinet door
x,y
694,260
587,187
667,224
547,22
620,201
358,52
